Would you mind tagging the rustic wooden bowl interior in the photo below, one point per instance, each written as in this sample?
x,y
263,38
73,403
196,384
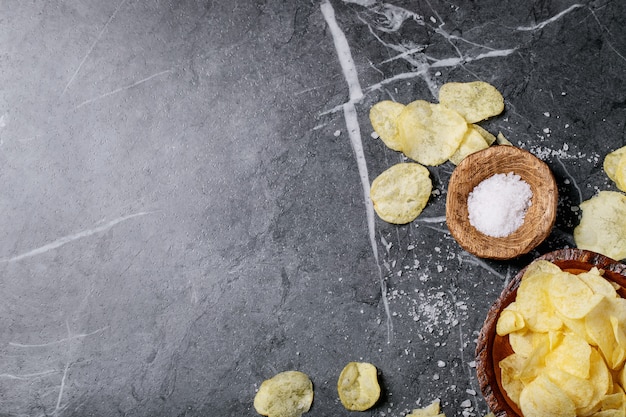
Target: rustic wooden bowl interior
x,y
539,218
491,348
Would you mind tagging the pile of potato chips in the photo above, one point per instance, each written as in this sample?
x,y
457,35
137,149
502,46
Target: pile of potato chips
x,y
568,334
602,226
430,134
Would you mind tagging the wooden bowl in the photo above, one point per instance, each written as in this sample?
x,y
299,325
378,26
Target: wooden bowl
x,y
540,216
491,348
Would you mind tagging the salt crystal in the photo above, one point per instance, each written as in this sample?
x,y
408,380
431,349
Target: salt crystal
x,y
466,404
497,206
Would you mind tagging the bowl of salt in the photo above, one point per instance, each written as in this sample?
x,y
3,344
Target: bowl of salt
x,y
501,202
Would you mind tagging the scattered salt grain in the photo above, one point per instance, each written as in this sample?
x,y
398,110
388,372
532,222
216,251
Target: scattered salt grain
x,y
497,206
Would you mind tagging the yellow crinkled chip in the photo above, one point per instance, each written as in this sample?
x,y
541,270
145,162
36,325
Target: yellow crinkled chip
x,y
620,173
534,303
384,119
475,101
572,355
510,370
614,164
473,141
510,321
602,227
431,410
358,386
543,398
287,394
599,285
489,137
401,192
430,133
571,296
580,390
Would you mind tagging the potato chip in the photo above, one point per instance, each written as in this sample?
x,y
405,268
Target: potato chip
x,y
475,101
580,390
502,140
542,398
473,141
534,364
384,119
572,355
600,331
620,173
601,380
430,133
614,163
510,370
401,192
489,138
287,394
522,342
535,305
431,410
614,401
541,265
609,413
602,227
598,285
358,386
510,320
571,296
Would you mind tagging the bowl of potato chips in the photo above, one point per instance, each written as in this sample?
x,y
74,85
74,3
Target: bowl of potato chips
x,y
554,342
497,172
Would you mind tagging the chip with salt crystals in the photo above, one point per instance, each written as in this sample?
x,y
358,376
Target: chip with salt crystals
x,y
287,394
431,410
615,167
430,133
358,386
401,192
473,141
602,227
475,101
384,119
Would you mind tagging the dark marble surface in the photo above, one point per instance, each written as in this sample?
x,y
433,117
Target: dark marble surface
x,y
182,190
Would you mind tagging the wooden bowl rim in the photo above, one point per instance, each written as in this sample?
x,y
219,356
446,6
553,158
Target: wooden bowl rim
x,y
573,260
528,236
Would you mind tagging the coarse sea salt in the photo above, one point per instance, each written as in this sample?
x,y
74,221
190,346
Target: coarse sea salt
x,y
497,206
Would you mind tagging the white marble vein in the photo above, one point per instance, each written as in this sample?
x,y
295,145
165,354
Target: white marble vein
x,y
119,90
93,45
554,18
70,238
351,75
67,339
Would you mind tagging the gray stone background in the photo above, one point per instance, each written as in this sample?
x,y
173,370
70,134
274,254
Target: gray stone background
x,y
182,193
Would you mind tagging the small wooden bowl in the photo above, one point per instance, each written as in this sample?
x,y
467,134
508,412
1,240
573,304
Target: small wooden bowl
x,y
540,216
491,348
